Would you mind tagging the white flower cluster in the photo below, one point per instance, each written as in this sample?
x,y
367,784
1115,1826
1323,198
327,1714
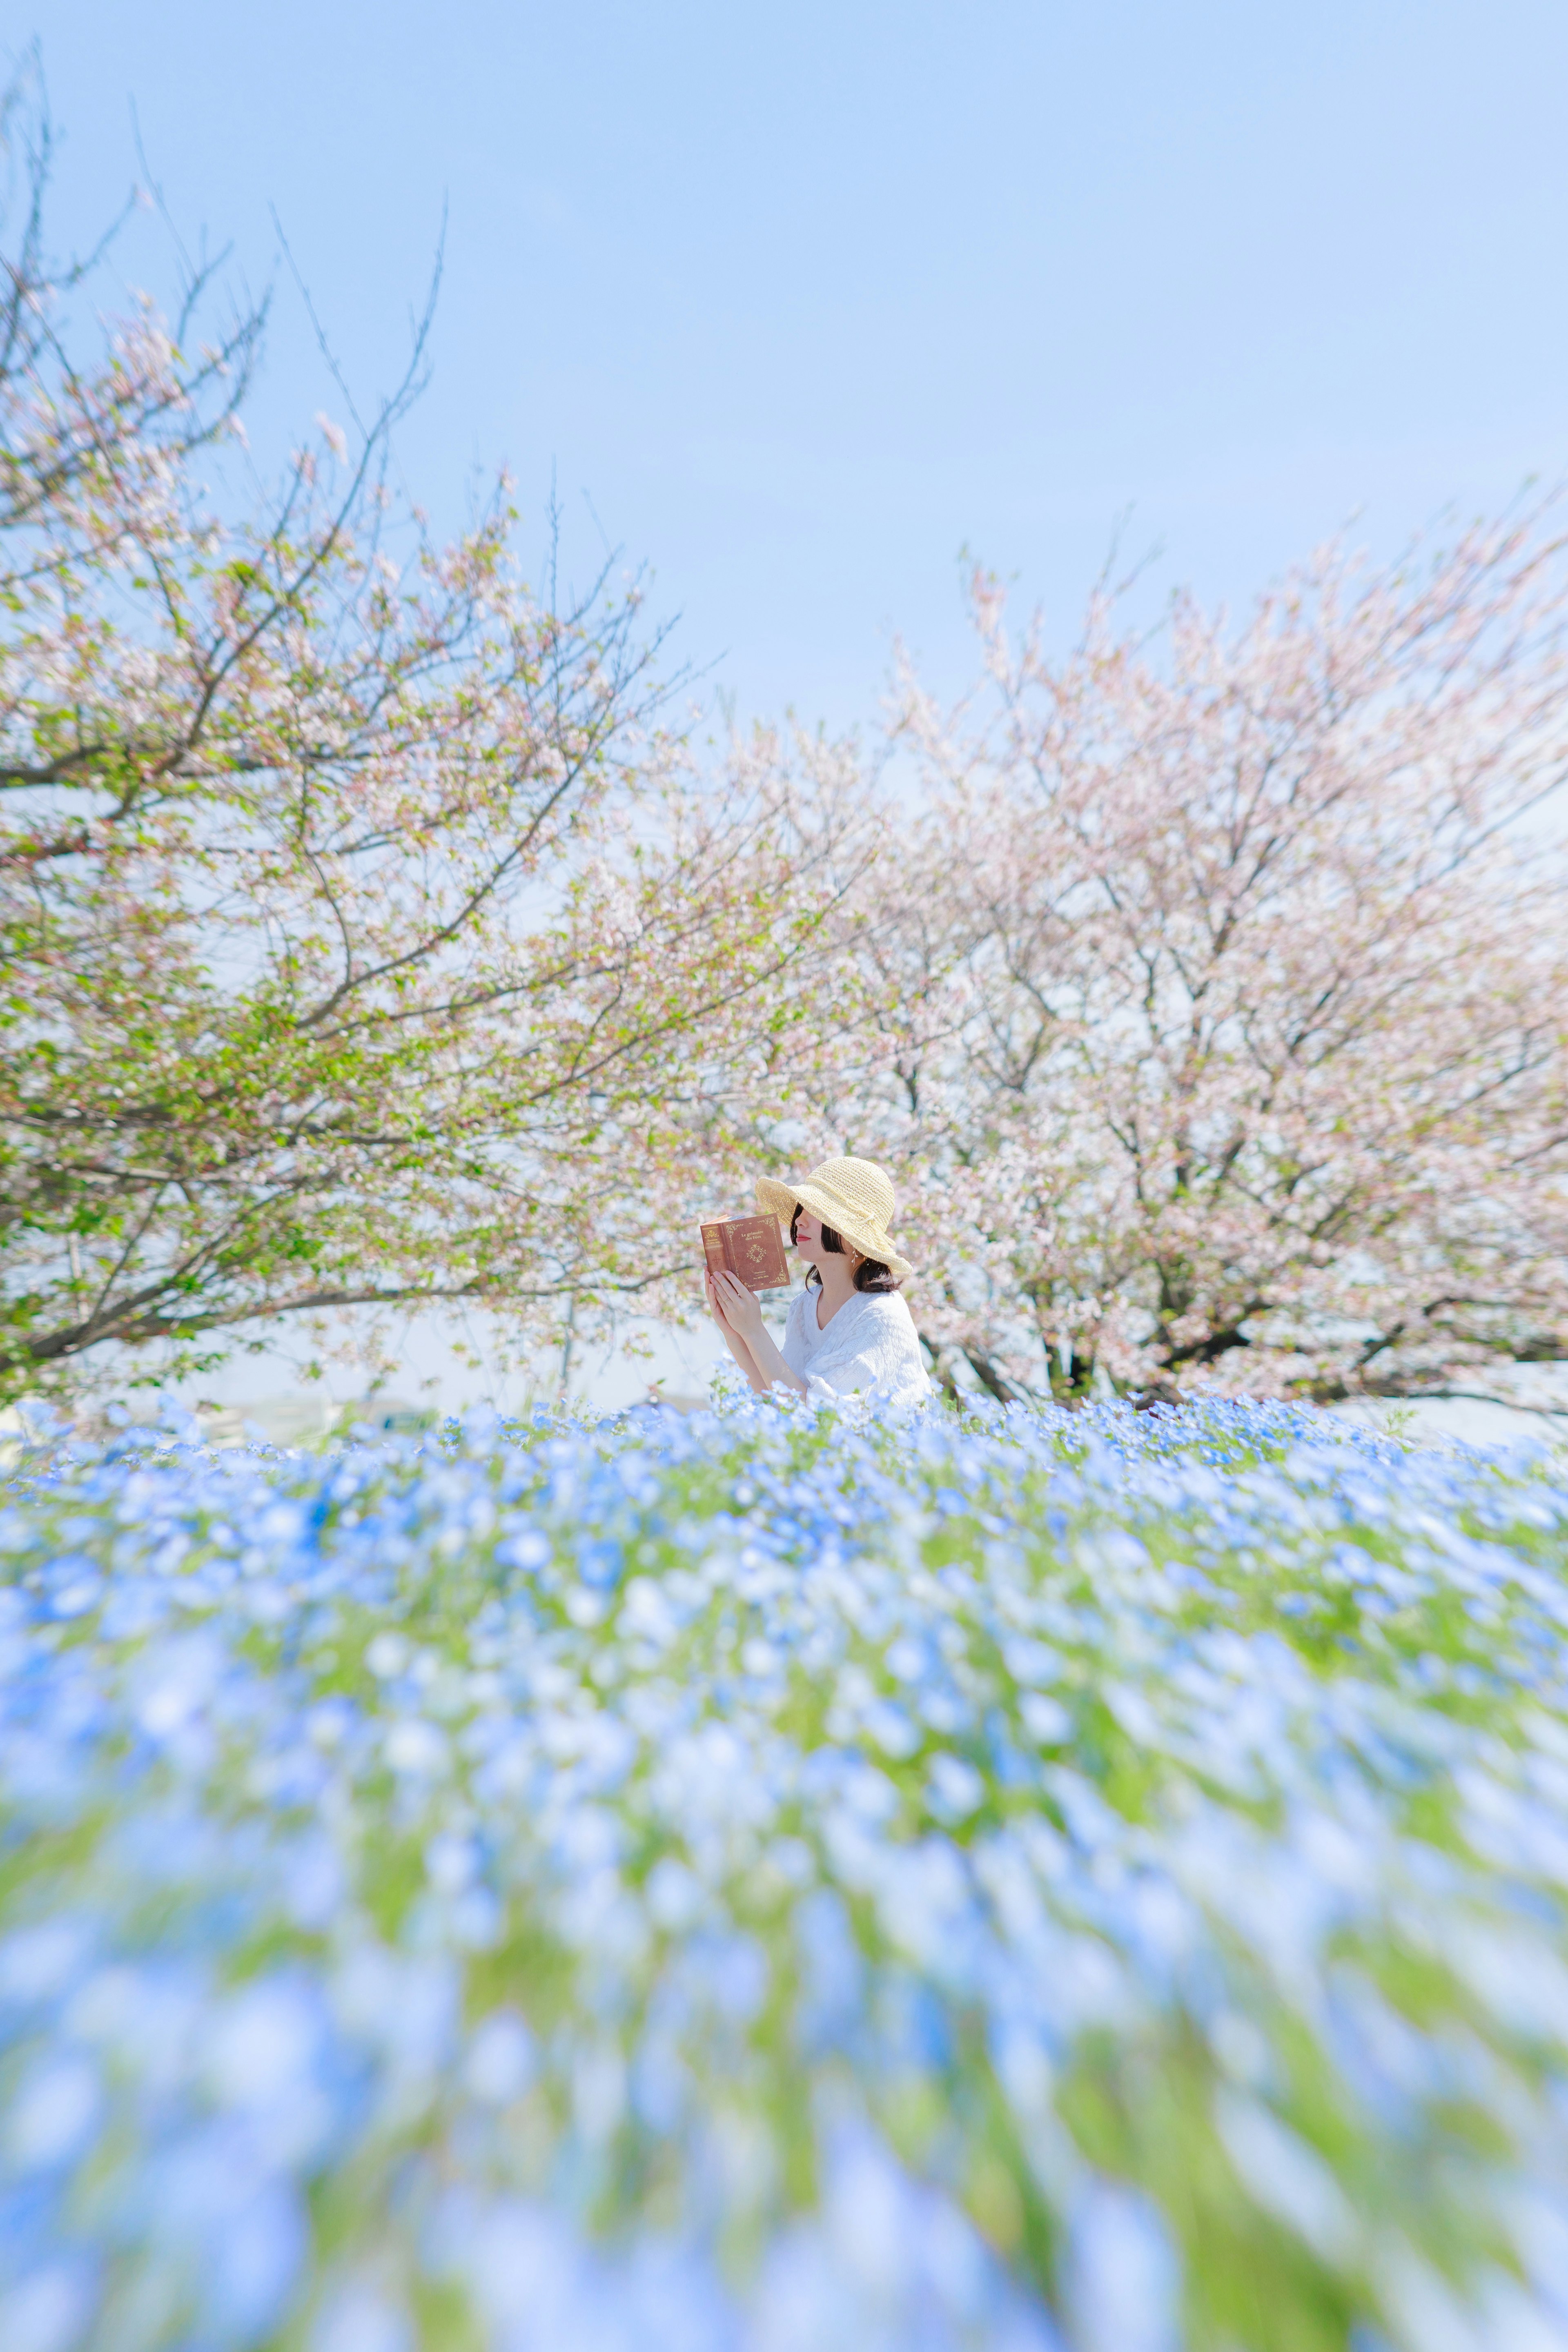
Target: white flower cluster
x,y
752,1883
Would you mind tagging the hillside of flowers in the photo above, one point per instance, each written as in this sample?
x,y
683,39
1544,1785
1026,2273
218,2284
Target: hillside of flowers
x,y
752,1882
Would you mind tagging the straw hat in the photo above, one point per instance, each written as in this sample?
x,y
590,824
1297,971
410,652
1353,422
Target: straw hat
x,y
854,1196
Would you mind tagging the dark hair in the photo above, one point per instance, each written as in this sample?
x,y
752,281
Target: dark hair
x,y
869,1274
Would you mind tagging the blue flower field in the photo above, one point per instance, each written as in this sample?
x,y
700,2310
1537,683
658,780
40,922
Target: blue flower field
x,y
756,1883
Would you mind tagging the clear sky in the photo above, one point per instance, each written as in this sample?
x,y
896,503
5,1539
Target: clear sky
x,y
806,300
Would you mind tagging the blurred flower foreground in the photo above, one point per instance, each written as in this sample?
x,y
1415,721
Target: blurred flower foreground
x,y
753,1881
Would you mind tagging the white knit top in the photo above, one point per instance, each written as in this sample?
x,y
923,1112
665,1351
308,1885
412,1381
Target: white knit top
x,y
870,1345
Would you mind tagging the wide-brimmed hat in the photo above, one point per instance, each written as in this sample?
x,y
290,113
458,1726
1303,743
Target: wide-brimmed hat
x,y
854,1196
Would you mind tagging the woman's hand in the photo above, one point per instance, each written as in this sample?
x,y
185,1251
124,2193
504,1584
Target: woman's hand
x,y
738,1312
733,1304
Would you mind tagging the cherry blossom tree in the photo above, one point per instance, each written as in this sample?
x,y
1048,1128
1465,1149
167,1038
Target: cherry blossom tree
x,y
366,943
1224,989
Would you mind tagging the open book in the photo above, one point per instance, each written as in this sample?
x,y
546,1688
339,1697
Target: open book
x,y
752,1248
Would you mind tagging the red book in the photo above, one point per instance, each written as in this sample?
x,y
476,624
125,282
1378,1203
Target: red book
x,y
750,1248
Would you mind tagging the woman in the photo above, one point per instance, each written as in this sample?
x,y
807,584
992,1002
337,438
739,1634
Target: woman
x,y
849,1331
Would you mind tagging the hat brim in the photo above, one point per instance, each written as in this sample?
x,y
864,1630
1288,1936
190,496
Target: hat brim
x,y
781,1200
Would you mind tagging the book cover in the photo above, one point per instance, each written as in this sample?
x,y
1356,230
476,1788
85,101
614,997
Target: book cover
x,y
752,1248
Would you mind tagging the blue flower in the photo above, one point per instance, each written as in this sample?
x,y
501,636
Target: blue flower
x,y
681,1882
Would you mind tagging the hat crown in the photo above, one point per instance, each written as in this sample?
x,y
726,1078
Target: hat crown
x,y
861,1185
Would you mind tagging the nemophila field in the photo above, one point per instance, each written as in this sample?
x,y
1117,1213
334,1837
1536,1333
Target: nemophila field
x,y
753,1881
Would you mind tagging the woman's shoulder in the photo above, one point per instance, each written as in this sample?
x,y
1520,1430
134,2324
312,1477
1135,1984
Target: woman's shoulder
x,y
887,1309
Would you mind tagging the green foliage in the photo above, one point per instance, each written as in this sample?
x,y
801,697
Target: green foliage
x,y
356,925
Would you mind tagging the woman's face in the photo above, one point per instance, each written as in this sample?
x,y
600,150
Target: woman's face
x,y
809,1238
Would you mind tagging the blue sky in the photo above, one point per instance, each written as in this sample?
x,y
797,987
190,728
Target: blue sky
x,y
805,301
